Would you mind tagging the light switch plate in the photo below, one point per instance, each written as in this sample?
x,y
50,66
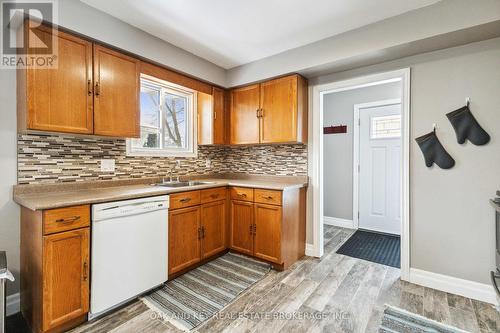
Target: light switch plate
x,y
107,165
208,163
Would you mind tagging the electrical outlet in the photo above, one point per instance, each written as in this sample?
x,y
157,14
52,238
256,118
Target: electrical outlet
x,y
208,163
178,163
107,165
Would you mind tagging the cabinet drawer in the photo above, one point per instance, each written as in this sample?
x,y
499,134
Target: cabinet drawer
x,y
242,193
67,218
213,194
268,197
184,199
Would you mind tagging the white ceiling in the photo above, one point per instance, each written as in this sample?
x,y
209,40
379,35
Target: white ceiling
x,y
230,33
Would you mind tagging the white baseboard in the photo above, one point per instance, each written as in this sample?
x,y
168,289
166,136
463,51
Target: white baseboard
x,y
338,222
475,290
311,250
13,304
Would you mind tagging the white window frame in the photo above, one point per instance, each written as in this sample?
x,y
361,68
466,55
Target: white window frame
x,y
191,123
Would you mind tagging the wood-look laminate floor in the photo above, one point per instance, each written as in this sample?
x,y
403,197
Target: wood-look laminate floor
x,y
332,294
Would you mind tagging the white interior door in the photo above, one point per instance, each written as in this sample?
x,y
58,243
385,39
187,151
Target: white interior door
x,y
380,168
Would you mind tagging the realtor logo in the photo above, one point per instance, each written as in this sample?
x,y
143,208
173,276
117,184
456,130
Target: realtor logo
x,y
26,43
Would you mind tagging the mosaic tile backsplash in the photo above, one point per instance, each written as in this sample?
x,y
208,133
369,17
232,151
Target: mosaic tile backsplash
x,y
51,158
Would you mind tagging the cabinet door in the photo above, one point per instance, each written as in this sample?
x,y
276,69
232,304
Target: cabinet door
x,y
267,243
244,115
278,100
184,232
242,226
205,118
213,223
116,94
60,99
219,117
65,277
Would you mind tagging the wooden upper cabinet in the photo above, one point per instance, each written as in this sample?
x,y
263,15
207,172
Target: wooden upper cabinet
x,y
65,277
205,118
219,127
211,117
116,95
279,110
184,234
267,244
244,121
58,100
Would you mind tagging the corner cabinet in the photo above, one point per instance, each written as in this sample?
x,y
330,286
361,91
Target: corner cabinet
x,y
269,224
55,267
211,117
93,90
273,111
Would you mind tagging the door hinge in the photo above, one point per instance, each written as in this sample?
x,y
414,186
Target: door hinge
x,y
359,168
358,215
359,121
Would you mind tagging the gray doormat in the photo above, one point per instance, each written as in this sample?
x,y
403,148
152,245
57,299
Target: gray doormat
x,y
196,296
401,321
380,248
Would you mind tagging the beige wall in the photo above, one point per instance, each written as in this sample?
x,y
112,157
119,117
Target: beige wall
x,y
338,148
452,223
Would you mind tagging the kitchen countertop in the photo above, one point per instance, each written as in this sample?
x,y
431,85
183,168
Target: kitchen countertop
x,y
48,196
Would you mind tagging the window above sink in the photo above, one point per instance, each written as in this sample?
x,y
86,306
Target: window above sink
x,y
167,120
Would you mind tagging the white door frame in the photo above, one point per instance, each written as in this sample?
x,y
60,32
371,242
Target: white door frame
x,y
355,155
316,157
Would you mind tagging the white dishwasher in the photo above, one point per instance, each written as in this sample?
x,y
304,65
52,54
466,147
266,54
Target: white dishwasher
x,y
129,251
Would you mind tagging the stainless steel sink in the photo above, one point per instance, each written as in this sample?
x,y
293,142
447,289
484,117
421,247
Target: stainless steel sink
x,y
181,184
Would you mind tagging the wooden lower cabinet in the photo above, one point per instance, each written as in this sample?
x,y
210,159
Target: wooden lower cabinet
x,y
242,226
184,248
272,232
213,225
267,232
66,277
197,232
55,268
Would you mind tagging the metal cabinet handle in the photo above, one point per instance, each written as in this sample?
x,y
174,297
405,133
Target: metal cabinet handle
x,y
262,113
215,115
68,220
85,268
243,195
202,232
89,87
255,229
199,233
257,113
269,197
183,200
97,89
251,229
215,195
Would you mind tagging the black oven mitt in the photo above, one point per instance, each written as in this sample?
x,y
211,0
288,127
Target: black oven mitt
x,y
434,151
467,127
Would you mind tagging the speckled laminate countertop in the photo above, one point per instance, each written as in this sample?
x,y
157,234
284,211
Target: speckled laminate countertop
x,y
38,197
